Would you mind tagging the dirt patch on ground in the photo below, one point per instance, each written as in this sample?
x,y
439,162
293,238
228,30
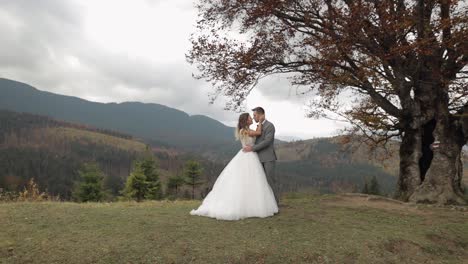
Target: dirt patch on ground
x,y
403,247
405,251
453,245
372,201
350,258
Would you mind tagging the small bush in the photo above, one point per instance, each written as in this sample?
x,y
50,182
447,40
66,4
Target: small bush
x,y
31,193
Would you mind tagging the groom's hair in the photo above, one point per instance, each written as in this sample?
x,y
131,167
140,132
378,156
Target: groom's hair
x,y
259,110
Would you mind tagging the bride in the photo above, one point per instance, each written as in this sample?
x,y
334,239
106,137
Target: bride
x,y
241,190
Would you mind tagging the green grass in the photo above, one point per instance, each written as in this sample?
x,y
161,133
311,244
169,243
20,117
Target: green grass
x,y
309,229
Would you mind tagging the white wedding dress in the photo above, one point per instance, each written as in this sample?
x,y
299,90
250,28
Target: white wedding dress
x,y
240,191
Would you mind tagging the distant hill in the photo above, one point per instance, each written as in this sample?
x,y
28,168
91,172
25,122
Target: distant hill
x,y
157,124
323,164
341,164
52,152
333,165
342,149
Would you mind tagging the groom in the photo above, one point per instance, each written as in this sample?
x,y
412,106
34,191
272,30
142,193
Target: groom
x,y
265,149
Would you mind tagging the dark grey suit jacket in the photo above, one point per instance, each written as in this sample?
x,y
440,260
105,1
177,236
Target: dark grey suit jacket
x,y
264,144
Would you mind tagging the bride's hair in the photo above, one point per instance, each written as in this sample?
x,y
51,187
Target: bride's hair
x,y
242,128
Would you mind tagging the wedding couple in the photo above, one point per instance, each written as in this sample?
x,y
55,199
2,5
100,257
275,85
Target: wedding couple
x,y
247,187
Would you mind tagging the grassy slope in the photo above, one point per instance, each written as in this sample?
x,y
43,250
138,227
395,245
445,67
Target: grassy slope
x,y
309,229
95,137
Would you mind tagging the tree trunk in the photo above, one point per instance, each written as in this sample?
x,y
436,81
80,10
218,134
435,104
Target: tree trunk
x,y
430,175
442,183
410,154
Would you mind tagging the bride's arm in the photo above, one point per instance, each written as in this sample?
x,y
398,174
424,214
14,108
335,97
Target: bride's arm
x,y
256,133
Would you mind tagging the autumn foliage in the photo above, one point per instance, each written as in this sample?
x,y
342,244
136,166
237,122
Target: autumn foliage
x,y
392,68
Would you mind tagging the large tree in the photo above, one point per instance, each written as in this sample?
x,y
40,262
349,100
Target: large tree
x,y
404,63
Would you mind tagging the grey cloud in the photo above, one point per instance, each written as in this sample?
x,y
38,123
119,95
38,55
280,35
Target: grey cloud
x,y
278,88
43,34
43,43
34,32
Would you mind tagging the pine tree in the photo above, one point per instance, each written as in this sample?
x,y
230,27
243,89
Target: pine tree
x,y
136,186
143,182
366,188
174,183
89,188
149,168
186,194
193,172
374,187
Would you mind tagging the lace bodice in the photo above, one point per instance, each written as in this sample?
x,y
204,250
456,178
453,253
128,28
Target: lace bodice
x,y
246,140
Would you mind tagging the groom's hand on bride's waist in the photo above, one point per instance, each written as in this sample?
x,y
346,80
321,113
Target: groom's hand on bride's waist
x,y
247,148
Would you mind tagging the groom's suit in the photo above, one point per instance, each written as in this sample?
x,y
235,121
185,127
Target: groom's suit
x,y
264,146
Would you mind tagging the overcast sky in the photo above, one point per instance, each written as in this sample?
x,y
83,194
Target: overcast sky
x,y
120,50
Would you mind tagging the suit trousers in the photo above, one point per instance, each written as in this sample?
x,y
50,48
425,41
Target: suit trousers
x,y
269,168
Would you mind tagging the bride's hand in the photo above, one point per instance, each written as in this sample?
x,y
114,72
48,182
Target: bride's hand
x,y
247,148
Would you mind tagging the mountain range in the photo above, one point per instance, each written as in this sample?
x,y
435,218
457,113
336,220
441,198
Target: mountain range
x,y
154,123
321,164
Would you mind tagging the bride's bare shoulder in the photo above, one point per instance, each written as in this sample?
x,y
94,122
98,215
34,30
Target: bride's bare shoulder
x,y
252,133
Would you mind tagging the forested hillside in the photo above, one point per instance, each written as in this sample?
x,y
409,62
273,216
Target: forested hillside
x,y
157,124
52,152
335,165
